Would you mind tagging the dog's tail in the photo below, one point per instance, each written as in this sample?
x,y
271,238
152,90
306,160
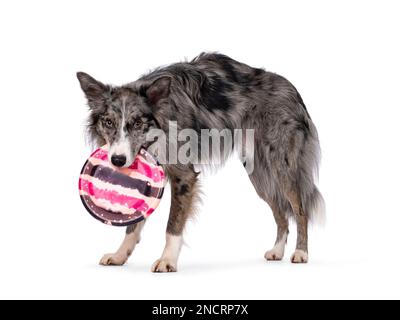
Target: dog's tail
x,y
314,206
311,199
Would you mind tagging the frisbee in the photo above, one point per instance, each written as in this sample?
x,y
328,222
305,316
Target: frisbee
x,y
121,196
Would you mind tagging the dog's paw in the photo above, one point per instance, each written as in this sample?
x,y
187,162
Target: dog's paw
x,y
113,259
163,265
299,256
274,254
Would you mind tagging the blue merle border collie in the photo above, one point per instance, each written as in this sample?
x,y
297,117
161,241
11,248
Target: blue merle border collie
x,y
213,91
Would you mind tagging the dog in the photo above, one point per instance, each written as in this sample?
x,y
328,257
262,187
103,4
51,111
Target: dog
x,y
213,91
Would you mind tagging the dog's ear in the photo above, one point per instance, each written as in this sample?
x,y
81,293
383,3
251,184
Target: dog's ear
x,y
157,90
92,88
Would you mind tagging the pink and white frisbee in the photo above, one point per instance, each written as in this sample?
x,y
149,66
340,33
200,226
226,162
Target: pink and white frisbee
x,y
121,196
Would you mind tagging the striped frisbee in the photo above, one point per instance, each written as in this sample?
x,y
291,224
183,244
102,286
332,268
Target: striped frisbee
x,y
121,196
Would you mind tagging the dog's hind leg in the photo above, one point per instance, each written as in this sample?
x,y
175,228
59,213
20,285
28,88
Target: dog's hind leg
x,y
258,179
132,237
184,193
301,253
277,252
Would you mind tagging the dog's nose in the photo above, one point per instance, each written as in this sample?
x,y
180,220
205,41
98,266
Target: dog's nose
x,y
118,160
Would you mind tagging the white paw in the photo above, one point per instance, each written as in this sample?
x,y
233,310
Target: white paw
x,y
163,265
299,256
113,259
275,254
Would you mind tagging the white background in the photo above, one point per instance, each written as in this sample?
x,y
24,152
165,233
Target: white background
x,y
343,56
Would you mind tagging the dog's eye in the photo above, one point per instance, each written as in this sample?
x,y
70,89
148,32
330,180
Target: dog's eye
x,y
108,123
137,124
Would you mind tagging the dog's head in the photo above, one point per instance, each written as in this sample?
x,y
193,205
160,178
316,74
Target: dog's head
x,y
122,116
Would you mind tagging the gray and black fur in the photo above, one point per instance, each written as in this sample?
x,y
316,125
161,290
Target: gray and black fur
x,y
215,91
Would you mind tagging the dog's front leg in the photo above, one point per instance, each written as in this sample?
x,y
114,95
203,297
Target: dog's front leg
x,y
184,193
132,237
